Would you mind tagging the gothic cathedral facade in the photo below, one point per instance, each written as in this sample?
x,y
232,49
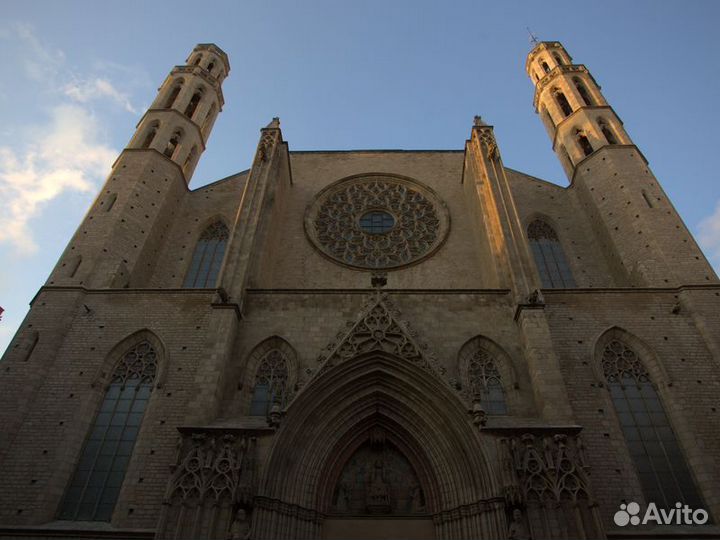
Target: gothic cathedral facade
x,y
367,344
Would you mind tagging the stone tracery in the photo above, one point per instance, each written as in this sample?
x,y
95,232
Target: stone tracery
x,y
419,221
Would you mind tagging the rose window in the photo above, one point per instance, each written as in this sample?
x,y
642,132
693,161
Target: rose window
x,y
377,221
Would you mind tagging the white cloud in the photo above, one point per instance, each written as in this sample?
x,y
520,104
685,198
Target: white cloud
x,y
40,63
709,236
97,88
68,157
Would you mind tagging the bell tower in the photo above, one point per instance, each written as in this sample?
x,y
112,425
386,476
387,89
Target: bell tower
x,y
116,245
640,232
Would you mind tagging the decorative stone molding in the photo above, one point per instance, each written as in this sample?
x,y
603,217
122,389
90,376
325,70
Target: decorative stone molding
x,y
215,476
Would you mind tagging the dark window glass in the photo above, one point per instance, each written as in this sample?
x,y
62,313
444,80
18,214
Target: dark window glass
x,y
207,257
663,472
94,488
377,222
549,257
270,383
486,383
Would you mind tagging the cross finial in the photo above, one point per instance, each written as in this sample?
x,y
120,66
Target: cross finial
x,y
533,38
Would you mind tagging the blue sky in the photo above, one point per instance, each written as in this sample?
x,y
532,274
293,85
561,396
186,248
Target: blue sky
x,y
340,75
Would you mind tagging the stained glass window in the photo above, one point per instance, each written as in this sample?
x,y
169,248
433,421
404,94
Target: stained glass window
x,y
208,257
95,486
485,382
549,256
377,222
270,383
664,474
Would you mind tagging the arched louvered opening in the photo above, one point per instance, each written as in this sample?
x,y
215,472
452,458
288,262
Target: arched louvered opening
x,y
192,105
584,144
562,102
208,257
150,135
549,256
173,95
172,144
584,94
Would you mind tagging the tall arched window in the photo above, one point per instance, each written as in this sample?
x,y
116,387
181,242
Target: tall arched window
x,y
584,94
566,157
557,58
270,383
95,486
173,95
485,382
563,102
207,257
660,464
549,256
545,67
584,143
210,67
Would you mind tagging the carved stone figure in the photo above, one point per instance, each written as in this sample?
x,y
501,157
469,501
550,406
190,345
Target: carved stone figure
x,y
518,530
240,527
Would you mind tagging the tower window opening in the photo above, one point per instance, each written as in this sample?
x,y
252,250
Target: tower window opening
x,y
563,103
198,58
192,106
210,67
172,144
150,136
173,95
537,77
110,202
209,117
557,58
607,132
545,67
547,119
584,94
190,160
584,144
647,199
75,266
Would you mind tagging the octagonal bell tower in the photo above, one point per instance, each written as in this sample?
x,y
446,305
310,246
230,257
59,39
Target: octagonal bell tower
x,y
641,234
117,243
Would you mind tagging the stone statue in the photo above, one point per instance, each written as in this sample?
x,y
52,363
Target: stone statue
x,y
518,530
240,527
536,298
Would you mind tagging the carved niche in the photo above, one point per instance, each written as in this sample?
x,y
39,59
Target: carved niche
x,y
378,479
415,222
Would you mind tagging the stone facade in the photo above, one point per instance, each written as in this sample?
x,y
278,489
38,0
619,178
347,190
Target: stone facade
x,y
378,348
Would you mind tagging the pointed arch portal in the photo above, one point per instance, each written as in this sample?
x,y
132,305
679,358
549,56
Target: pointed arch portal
x,y
418,468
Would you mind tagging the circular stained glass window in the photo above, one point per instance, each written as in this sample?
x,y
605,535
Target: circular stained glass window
x,y
377,222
